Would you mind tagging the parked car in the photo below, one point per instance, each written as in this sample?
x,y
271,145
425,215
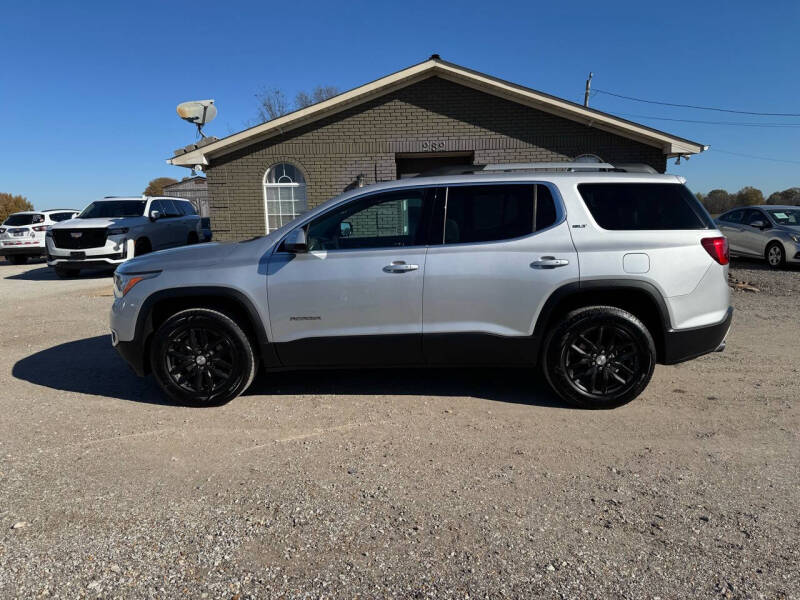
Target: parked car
x,y
594,276
22,235
205,229
768,231
112,230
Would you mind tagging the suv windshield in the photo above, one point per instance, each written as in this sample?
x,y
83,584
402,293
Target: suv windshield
x,y
786,216
114,208
23,219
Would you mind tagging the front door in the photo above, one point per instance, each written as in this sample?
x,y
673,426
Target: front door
x,y
356,296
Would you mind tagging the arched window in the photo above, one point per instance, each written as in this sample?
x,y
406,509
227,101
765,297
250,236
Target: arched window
x,y
284,194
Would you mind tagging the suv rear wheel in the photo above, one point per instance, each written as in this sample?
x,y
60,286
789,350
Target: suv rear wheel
x,y
201,357
18,259
599,357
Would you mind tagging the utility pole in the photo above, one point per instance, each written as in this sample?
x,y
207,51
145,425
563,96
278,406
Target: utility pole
x,y
588,89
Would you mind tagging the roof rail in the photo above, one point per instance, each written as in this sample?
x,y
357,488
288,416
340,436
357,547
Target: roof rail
x,y
550,166
566,166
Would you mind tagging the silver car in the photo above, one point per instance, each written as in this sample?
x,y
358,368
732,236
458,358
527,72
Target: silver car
x,y
766,231
593,277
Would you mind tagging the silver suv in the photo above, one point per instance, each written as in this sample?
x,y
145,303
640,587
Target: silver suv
x,y
112,230
769,232
595,275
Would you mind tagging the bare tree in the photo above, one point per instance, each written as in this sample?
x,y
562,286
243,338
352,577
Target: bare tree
x,y
318,94
272,102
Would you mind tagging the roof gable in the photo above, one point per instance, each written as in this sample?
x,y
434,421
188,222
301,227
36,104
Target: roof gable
x,y
434,67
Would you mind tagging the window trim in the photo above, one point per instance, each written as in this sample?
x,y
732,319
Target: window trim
x,y
561,213
264,185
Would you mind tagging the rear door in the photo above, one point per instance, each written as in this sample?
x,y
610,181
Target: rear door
x,y
355,298
504,249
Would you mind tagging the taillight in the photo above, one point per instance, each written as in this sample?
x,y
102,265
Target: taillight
x,y
717,248
41,228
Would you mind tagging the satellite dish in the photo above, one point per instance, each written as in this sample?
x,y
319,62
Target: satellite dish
x,y
198,112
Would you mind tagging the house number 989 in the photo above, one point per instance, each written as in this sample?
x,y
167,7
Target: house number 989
x,y
432,145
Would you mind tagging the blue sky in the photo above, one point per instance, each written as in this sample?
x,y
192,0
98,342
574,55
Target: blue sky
x,y
88,89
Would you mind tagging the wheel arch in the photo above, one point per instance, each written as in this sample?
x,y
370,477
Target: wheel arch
x,y
159,306
640,298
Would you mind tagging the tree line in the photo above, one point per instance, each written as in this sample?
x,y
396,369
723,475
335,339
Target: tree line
x,y
718,201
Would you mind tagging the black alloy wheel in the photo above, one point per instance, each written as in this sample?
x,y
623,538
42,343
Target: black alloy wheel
x,y
599,357
201,357
601,360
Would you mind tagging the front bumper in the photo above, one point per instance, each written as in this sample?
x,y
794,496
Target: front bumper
x,y
133,353
685,344
115,252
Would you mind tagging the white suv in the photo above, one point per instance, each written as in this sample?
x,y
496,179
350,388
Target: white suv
x,y
592,273
22,235
110,231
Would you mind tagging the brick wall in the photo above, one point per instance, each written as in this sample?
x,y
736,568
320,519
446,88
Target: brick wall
x,y
436,113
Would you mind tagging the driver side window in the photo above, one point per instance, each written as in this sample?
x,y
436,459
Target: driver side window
x,y
388,220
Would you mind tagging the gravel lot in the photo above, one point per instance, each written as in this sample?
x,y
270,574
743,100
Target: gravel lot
x,y
393,484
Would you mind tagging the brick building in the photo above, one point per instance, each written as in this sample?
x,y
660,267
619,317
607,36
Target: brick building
x,y
194,189
429,115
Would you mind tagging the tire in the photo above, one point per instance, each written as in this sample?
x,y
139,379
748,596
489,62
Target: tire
x,y
65,273
142,246
599,357
18,259
776,257
192,239
201,357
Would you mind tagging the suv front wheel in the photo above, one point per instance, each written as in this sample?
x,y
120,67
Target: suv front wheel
x,y
201,357
599,357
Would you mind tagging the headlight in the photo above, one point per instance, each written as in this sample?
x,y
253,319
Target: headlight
x,y
796,238
116,231
124,282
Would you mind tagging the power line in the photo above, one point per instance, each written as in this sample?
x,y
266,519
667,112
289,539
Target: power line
x,y
780,160
738,123
726,110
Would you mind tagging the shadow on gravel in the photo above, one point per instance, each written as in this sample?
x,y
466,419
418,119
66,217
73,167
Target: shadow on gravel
x,y
92,366
89,366
518,386
45,273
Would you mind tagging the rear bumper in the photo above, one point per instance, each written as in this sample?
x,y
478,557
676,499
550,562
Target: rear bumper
x,y
27,250
685,344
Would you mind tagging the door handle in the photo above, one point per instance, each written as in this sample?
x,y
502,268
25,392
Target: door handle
x,y
549,262
399,266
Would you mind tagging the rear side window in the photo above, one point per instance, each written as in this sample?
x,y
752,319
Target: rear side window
x,y
58,217
638,206
486,213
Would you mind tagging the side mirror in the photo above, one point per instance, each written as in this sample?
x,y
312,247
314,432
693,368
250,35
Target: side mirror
x,y
295,242
759,224
155,215
345,229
